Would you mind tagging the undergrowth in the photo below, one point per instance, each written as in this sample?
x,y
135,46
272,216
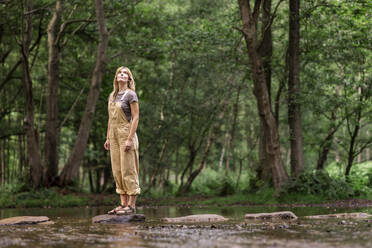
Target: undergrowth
x,y
212,188
19,195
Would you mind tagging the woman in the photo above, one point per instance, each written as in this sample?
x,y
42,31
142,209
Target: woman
x,y
122,140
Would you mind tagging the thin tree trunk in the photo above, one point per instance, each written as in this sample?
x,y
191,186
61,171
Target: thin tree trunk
x,y
260,91
196,172
177,166
33,154
323,153
155,172
368,150
327,143
21,155
222,152
91,186
354,135
351,150
3,163
240,172
337,152
70,171
7,159
232,131
51,155
192,157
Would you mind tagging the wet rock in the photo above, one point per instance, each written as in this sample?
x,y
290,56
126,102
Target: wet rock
x,y
196,218
26,220
287,215
283,226
342,215
238,227
118,219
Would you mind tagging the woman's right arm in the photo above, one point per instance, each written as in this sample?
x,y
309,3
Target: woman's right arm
x,y
107,143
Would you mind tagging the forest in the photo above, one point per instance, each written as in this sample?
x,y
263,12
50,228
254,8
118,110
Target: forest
x,y
236,97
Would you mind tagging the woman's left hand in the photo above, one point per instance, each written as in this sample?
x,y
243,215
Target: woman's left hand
x,y
128,145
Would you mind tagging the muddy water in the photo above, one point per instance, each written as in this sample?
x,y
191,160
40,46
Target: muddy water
x,y
73,228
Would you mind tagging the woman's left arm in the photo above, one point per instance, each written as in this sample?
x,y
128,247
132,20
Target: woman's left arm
x,y
134,108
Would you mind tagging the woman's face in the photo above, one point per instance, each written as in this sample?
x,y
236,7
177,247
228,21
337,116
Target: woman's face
x,y
122,75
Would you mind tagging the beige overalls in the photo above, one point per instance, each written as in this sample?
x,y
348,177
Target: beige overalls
x,y
124,164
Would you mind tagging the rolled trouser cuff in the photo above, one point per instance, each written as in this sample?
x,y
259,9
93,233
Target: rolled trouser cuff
x,y
134,192
121,192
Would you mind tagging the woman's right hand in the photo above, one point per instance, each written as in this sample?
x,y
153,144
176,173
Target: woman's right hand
x,y
107,144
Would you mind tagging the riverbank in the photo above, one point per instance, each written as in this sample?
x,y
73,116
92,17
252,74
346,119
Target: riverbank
x,y
54,198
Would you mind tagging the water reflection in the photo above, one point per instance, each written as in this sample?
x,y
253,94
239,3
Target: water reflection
x,y
73,228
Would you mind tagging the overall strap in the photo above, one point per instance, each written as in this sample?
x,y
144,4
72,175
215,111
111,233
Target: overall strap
x,y
122,98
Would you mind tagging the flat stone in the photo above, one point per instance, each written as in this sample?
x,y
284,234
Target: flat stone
x,y
196,218
340,216
118,219
284,215
26,220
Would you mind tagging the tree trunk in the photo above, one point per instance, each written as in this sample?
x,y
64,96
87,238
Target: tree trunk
x,y
192,156
51,155
70,171
368,150
260,91
240,172
265,50
351,152
157,170
33,154
177,166
21,155
195,173
327,143
91,186
294,91
3,163
354,135
232,131
222,156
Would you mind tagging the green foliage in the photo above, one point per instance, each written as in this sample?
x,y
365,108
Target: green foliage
x,y
361,181
17,197
167,189
360,178
213,183
318,184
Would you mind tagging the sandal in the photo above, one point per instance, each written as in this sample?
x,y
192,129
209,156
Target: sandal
x,y
115,210
126,210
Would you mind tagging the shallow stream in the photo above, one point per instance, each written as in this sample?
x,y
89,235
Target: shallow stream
x,y
73,228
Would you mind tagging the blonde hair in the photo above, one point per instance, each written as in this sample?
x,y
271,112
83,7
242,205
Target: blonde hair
x,y
131,83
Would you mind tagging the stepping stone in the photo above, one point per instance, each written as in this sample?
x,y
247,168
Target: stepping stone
x,y
26,220
196,218
342,216
284,215
118,219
